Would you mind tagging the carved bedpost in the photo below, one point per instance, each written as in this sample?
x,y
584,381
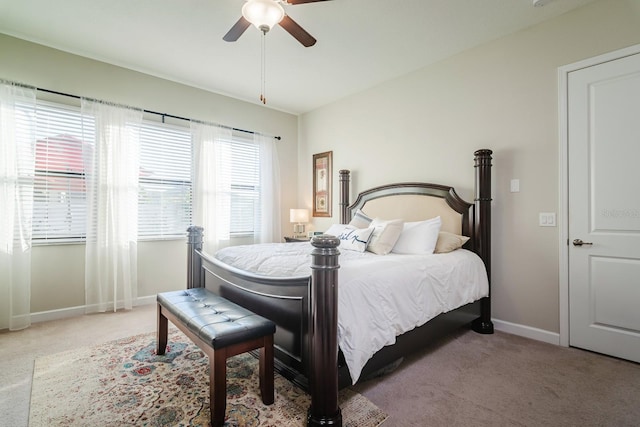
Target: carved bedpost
x,y
482,232
344,196
194,262
323,324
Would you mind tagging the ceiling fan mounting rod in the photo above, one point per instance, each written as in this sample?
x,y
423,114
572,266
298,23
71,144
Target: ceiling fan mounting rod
x,y
263,69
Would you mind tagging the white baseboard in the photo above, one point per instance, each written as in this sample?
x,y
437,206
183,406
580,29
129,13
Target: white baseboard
x,y
527,331
63,313
500,325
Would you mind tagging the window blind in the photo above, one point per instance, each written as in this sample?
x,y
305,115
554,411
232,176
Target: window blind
x,y
164,202
59,209
245,186
60,205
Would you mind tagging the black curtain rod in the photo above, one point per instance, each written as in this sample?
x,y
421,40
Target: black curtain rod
x,y
163,115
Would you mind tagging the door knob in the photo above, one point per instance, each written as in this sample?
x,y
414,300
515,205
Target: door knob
x,y
579,242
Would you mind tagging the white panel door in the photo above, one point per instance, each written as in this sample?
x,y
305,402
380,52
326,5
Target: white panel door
x,y
604,207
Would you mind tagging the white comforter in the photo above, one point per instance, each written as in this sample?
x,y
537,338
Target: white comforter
x,y
379,296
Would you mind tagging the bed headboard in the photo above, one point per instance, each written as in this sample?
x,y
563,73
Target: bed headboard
x,y
415,201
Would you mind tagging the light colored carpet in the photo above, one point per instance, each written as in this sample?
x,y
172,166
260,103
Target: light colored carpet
x,y
465,380
18,351
499,380
124,383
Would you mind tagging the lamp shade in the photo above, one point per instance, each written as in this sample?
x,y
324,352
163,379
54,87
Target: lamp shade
x,y
299,215
264,14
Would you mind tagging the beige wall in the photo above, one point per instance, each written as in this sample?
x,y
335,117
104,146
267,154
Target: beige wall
x,y
423,126
503,96
57,278
58,271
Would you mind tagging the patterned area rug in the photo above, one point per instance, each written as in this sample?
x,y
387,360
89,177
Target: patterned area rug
x,y
124,383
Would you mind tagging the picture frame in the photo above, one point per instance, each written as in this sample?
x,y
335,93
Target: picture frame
x,y
322,173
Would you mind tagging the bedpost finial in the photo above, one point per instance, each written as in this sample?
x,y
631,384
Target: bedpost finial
x,y
483,152
483,157
195,234
325,241
195,229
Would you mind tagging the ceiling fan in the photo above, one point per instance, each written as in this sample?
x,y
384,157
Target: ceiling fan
x,y
264,14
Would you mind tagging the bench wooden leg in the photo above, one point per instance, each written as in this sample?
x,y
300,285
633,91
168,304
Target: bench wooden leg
x,y
218,387
163,329
266,370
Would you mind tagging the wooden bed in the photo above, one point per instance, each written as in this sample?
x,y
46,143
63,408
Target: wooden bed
x,y
305,308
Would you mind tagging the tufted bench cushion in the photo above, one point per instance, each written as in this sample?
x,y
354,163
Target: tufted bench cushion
x,y
221,329
213,319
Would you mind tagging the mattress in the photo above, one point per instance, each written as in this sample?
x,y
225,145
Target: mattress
x,y
379,296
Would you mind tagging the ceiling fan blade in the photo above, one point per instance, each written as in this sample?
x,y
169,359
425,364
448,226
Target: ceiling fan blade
x,y
303,1
236,31
297,31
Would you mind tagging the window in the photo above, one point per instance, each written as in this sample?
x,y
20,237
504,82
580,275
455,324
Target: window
x,y
164,204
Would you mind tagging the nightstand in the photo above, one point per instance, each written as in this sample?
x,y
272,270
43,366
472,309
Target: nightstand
x,y
295,239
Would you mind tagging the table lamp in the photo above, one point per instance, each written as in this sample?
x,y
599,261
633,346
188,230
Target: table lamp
x,y
299,217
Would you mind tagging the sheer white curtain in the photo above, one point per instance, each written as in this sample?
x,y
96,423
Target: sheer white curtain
x,y
112,167
212,183
269,229
17,164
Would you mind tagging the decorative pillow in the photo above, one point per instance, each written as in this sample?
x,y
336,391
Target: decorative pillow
x,y
353,239
385,235
418,237
336,229
360,220
448,242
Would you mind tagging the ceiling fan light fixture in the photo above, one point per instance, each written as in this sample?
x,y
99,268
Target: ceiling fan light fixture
x,y
263,14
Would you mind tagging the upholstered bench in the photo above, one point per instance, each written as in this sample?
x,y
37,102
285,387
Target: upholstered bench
x,y
221,329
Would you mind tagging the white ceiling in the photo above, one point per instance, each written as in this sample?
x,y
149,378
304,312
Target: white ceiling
x,y
361,43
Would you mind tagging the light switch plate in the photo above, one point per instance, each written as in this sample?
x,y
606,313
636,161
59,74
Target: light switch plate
x,y
515,185
547,219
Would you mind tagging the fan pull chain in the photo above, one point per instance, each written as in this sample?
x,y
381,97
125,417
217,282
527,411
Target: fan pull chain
x,y
263,70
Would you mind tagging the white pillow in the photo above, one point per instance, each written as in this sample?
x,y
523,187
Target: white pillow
x,y
385,235
360,220
336,229
418,237
353,239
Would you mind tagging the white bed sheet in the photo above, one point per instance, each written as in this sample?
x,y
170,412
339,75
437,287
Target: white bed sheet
x,y
379,296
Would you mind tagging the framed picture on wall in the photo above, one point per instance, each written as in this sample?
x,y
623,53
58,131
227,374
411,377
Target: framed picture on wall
x,y
322,183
